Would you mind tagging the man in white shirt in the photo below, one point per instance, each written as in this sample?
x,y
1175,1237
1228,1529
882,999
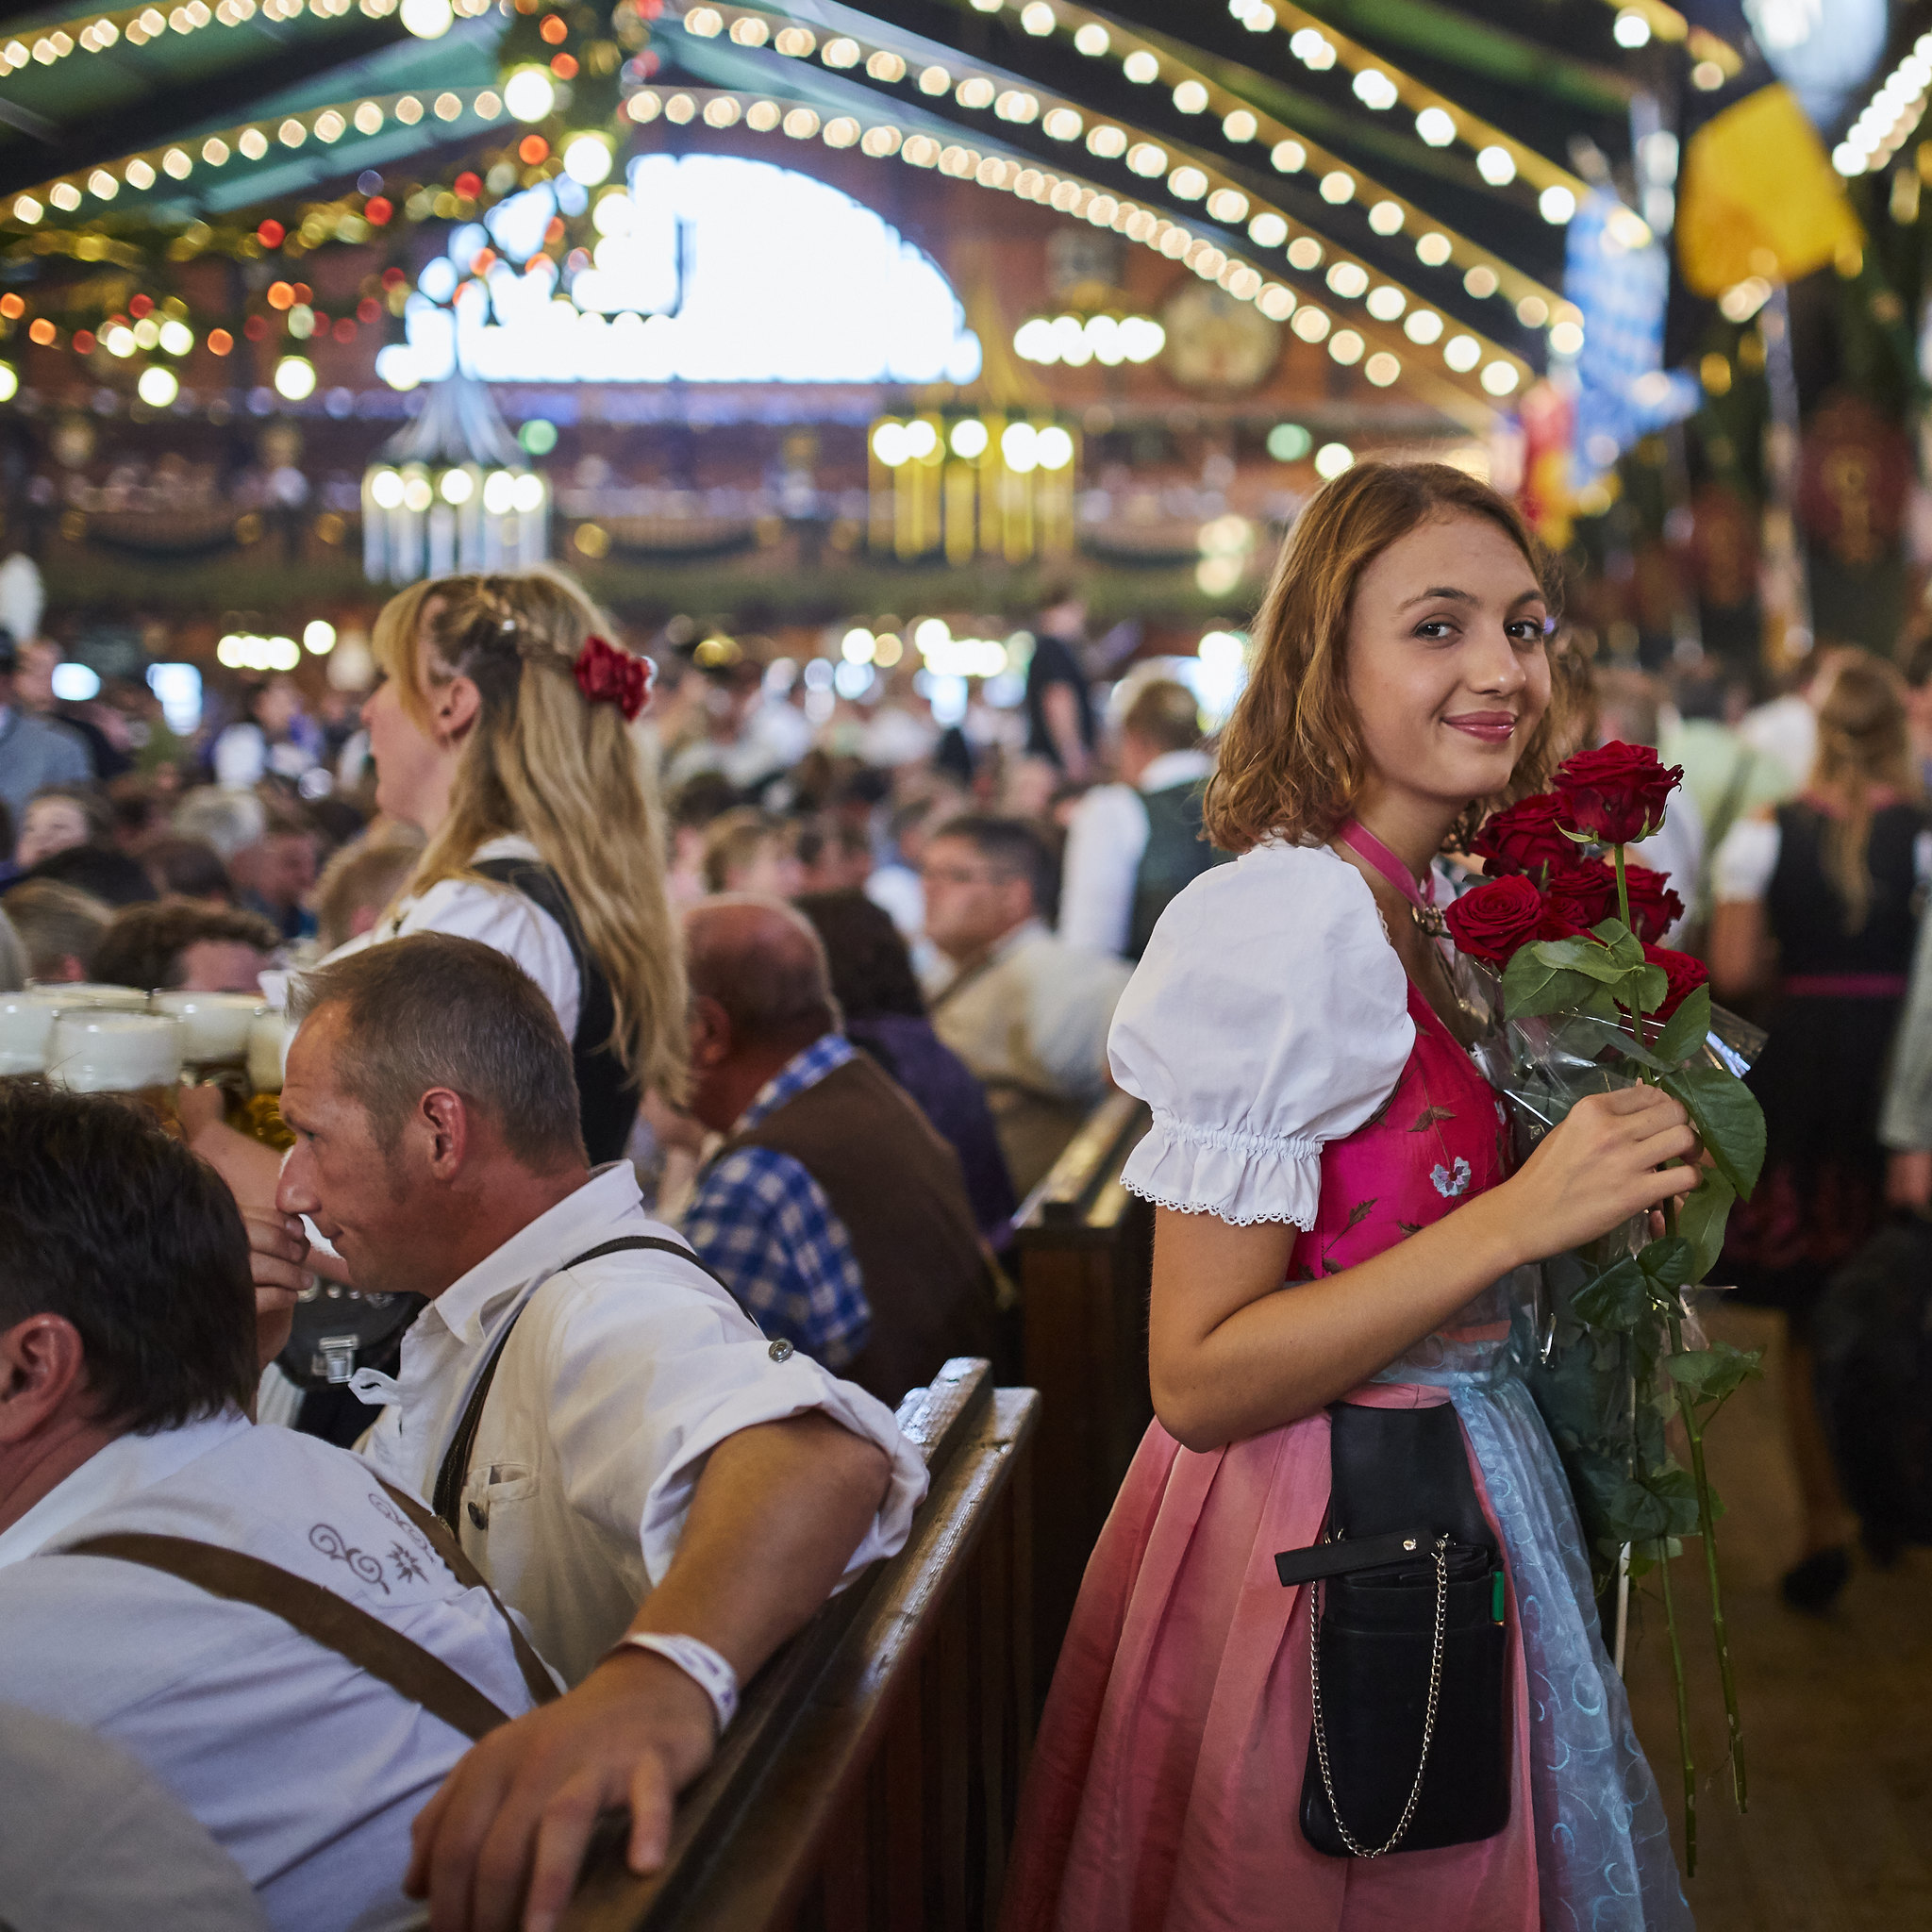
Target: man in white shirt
x,y
664,1494
1132,846
1026,1011
128,1338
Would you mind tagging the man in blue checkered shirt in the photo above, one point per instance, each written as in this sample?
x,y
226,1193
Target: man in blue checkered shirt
x,y
833,1210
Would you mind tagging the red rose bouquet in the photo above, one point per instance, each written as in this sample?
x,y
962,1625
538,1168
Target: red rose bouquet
x,y
1587,997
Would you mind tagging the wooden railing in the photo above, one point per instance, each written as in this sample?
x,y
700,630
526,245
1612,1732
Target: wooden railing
x,y
871,1775
1086,1259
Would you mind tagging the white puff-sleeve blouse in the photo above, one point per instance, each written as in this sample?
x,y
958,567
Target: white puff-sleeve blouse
x,y
1269,1016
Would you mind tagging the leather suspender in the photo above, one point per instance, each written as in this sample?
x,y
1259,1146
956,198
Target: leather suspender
x,y
335,1623
448,1495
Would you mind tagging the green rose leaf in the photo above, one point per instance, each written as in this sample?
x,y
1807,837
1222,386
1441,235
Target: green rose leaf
x,y
1712,1374
1531,986
1727,1118
1653,988
1701,1219
1684,1035
1667,1263
1617,1298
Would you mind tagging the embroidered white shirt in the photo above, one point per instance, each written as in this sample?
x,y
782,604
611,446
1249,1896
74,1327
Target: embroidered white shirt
x,y
306,1770
623,1375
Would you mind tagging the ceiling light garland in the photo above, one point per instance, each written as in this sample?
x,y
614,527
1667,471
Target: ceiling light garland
x,y
94,33
1640,22
1377,83
1226,203
1387,355
251,141
1889,117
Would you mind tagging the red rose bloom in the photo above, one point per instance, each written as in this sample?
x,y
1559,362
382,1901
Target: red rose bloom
x,y
1616,794
1586,895
1495,919
1685,975
1654,908
1524,838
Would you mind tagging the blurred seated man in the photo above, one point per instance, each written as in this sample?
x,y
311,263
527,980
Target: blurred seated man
x,y
34,751
230,821
185,945
884,1010
750,851
358,883
832,1210
56,819
189,869
662,1492
1026,1011
128,1342
276,874
59,928
1132,846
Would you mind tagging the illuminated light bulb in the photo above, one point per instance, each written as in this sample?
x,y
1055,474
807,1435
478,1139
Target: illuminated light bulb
x,y
922,440
527,495
457,487
586,159
1424,327
429,20
1432,250
889,444
1054,448
417,494
158,387
177,338
969,438
1555,204
1034,341
10,382
386,490
1140,67
529,93
1019,448
1332,458
499,492
1092,40
1631,29
1268,231
1386,218
1497,165
1382,369
119,341
295,378
1462,353
318,637
858,646
1500,378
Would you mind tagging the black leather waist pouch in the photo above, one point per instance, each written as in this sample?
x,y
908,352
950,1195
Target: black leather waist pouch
x,y
1409,1750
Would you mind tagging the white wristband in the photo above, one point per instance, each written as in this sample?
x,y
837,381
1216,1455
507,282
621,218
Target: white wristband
x,y
698,1662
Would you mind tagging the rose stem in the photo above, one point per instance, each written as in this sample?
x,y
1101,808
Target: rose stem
x,y
1623,890
1663,1566
1706,1528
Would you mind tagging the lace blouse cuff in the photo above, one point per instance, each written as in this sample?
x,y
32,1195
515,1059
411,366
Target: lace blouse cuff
x,y
1238,1176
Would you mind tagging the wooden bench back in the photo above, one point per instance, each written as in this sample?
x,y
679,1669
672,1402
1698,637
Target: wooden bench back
x,y
1086,1262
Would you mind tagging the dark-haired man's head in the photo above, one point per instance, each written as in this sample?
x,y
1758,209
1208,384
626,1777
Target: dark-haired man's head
x,y
984,878
434,1105
871,967
125,1301
759,994
186,944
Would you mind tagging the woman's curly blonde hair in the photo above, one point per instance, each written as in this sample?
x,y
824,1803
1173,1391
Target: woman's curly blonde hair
x,y
1292,763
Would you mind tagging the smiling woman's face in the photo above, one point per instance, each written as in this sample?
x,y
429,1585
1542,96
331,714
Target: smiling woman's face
x,y
1447,666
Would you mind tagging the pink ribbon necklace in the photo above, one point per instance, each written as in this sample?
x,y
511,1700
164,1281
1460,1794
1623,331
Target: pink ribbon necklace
x,y
1420,894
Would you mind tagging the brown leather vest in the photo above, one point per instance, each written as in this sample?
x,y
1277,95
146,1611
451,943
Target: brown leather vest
x,y
897,1188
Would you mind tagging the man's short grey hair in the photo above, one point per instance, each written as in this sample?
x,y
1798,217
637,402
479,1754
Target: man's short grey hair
x,y
229,821
779,987
433,1010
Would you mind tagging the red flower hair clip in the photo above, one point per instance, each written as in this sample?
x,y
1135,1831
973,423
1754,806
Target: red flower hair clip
x,y
606,675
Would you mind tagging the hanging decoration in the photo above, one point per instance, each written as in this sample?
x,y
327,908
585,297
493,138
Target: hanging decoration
x,y
452,491
964,486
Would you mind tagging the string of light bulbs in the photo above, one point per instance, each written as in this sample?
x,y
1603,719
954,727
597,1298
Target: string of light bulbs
x,y
1889,117
252,141
1377,83
1194,177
